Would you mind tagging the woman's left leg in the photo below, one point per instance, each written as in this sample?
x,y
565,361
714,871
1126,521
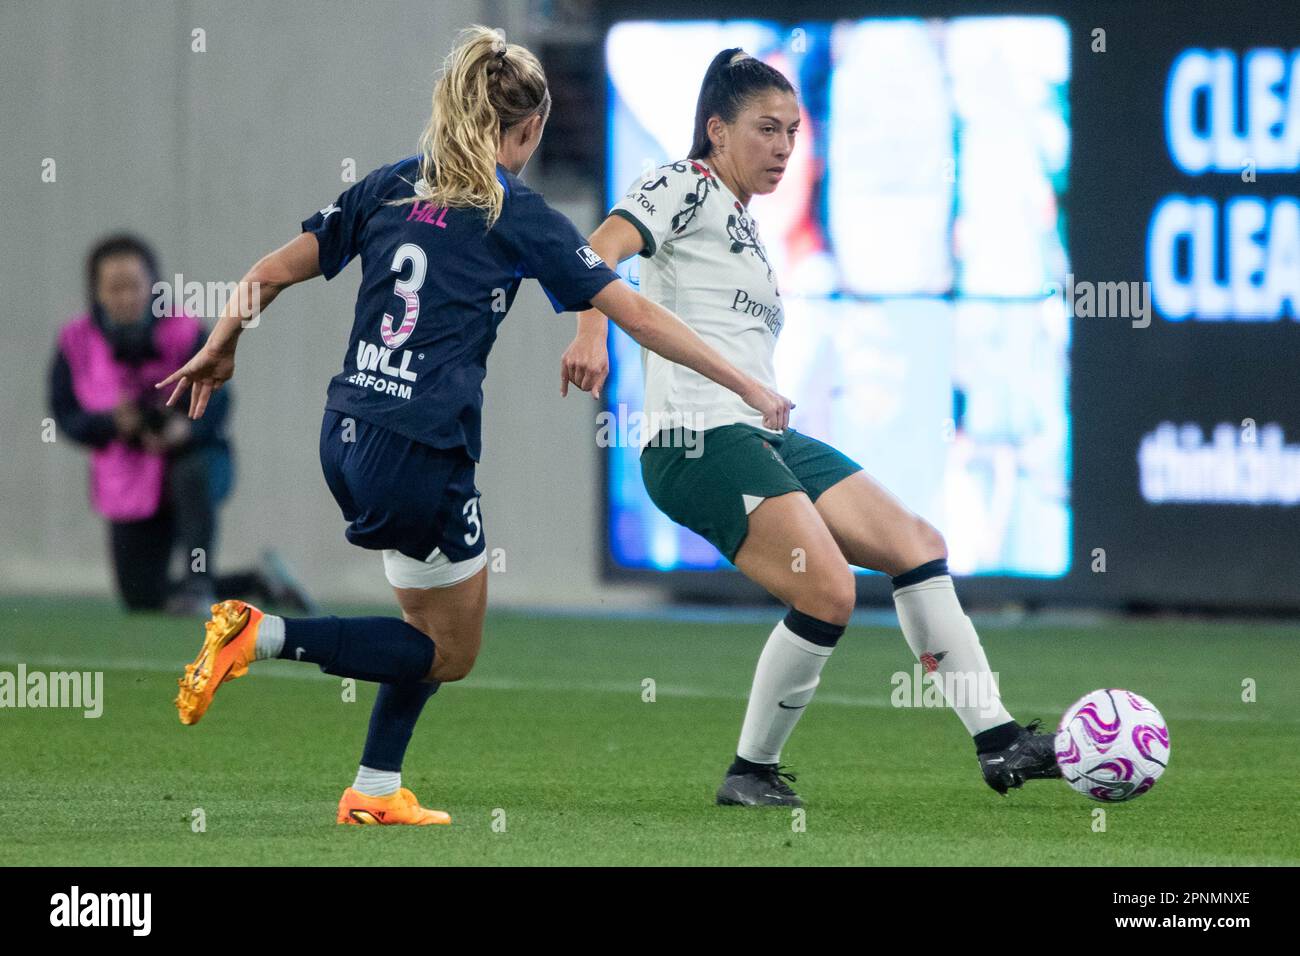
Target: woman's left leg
x,y
877,531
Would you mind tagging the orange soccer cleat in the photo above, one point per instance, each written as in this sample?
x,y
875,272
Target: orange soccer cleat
x,y
398,808
228,649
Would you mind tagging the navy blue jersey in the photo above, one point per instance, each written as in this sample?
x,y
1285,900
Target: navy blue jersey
x,y
435,285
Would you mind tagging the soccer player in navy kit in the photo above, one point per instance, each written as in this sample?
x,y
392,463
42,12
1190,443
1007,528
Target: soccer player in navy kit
x,y
444,238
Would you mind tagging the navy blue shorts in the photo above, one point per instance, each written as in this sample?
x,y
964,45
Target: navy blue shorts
x,y
400,494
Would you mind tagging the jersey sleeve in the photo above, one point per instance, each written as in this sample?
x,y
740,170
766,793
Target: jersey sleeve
x,y
667,205
338,226
551,250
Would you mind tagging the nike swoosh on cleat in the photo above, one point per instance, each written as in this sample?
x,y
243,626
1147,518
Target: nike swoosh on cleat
x,y
996,760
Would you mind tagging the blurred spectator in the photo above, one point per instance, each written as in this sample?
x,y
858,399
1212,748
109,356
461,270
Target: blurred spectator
x,y
155,475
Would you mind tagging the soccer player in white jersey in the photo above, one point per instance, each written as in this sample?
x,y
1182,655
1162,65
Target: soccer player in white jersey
x,y
761,496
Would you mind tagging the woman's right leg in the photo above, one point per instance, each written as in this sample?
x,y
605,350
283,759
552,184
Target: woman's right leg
x,y
731,486
452,617
790,552
402,498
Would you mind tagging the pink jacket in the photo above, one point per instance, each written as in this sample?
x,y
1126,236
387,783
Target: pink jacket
x,y
125,483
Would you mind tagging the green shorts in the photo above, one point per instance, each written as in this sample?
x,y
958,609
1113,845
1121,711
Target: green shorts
x,y
711,480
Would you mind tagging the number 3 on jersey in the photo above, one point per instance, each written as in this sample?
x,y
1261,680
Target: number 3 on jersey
x,y
408,290
470,513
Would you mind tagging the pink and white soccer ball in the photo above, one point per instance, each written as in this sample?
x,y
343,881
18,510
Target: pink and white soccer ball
x,y
1112,745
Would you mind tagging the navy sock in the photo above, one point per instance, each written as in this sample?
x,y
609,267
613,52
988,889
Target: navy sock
x,y
392,721
381,649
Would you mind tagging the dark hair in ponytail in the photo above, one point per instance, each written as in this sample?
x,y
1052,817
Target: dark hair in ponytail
x,y
727,88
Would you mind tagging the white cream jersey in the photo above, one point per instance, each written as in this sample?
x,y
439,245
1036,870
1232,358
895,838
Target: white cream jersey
x,y
704,262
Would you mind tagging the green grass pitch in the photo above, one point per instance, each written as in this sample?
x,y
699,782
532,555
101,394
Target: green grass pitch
x,y
551,736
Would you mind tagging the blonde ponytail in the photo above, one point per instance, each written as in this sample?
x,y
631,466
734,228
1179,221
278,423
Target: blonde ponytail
x,y
486,87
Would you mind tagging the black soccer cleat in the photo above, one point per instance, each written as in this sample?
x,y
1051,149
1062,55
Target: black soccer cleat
x,y
1031,757
759,788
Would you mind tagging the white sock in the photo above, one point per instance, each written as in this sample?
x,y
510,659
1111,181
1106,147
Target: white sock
x,y
944,640
377,783
788,672
270,638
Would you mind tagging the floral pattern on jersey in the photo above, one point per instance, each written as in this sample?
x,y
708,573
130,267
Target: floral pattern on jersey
x,y
741,230
744,235
704,184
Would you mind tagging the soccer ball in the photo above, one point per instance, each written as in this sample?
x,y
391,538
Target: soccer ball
x,y
1112,745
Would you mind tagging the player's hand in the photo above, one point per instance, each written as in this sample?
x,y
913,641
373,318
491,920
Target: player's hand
x,y
202,375
585,363
774,406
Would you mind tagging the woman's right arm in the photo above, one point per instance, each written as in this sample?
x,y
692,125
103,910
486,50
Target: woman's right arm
x,y
585,362
655,328
296,261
